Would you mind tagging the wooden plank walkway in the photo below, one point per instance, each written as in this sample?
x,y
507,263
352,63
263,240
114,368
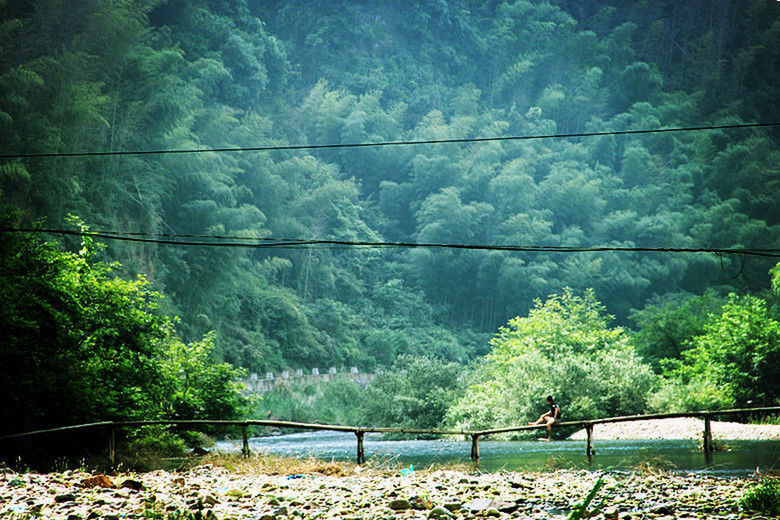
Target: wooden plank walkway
x,y
360,431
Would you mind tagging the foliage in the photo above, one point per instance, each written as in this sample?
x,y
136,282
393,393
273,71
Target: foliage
x,y
666,325
171,75
415,393
734,362
330,402
92,346
563,348
581,510
763,498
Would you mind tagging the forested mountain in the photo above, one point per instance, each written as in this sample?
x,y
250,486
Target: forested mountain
x,y
90,75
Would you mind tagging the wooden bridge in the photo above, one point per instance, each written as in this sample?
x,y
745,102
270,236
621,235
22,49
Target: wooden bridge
x,y
112,426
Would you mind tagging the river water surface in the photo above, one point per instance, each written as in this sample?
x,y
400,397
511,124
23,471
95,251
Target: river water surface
x,y
741,457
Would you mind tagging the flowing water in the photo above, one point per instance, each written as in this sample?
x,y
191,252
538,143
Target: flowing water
x,y
740,457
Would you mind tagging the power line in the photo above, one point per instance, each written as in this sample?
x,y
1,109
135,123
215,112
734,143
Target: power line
x,y
278,243
380,143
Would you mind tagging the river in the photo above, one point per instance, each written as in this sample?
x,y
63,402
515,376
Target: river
x,y
740,458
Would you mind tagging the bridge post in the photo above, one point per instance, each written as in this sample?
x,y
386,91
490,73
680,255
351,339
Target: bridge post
x,y
474,447
112,445
589,446
361,455
708,447
245,438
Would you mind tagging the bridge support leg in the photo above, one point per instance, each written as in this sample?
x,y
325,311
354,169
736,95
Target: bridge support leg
x,y
707,444
112,446
475,448
361,454
245,437
589,446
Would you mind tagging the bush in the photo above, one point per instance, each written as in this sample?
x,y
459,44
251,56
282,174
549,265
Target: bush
x,y
415,393
763,498
563,348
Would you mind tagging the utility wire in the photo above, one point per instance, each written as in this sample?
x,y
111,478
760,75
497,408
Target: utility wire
x,y
275,243
380,143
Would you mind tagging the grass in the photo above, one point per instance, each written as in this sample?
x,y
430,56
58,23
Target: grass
x,y
272,465
276,465
582,511
763,498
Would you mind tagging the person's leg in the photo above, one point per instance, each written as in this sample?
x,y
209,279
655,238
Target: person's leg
x,y
540,420
550,422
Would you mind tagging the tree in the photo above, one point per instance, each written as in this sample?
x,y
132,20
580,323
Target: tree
x,y
735,362
82,345
415,393
565,348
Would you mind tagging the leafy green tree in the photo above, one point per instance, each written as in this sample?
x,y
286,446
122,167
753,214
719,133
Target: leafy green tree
x,y
563,348
667,324
734,362
82,345
415,393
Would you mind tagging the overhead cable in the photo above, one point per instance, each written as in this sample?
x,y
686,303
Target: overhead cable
x,y
25,155
276,243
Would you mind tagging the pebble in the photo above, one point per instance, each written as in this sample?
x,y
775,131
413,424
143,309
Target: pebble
x,y
213,493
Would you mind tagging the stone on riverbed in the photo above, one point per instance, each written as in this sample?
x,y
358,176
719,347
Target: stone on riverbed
x,y
440,512
399,504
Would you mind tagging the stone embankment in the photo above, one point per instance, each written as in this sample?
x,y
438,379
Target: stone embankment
x,y
681,428
214,493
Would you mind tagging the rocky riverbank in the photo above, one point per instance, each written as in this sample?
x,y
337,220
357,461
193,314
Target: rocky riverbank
x,y
681,428
210,492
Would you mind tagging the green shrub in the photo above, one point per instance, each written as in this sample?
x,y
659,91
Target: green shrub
x,y
763,498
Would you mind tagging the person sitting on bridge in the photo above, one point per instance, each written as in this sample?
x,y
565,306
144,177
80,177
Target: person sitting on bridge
x,y
550,418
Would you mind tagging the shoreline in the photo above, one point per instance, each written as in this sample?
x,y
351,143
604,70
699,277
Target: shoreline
x,y
346,491
680,428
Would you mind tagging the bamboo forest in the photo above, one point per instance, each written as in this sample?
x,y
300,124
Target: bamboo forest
x,y
477,203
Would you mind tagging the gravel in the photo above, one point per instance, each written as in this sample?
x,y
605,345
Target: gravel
x,y
214,493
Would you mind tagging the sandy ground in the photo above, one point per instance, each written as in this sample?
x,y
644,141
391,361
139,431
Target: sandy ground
x,y
682,428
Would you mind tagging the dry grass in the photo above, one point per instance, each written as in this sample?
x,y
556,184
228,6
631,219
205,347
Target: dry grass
x,y
274,465
654,466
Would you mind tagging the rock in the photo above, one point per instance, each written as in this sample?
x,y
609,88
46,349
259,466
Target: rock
x,y
135,485
661,509
281,511
73,516
483,504
178,481
440,512
273,502
210,500
98,480
611,513
453,506
399,504
418,502
66,497
492,512
235,493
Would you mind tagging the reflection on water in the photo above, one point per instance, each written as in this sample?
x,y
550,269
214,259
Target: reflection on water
x,y
683,455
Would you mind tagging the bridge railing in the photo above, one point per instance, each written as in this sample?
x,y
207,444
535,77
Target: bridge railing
x,y
360,431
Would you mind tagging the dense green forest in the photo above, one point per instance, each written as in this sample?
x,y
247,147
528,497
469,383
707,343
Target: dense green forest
x,y
96,76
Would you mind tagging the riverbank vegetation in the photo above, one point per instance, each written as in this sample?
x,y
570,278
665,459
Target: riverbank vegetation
x,y
147,329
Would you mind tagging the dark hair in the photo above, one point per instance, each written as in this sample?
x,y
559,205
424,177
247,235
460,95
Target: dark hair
x,y
549,398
